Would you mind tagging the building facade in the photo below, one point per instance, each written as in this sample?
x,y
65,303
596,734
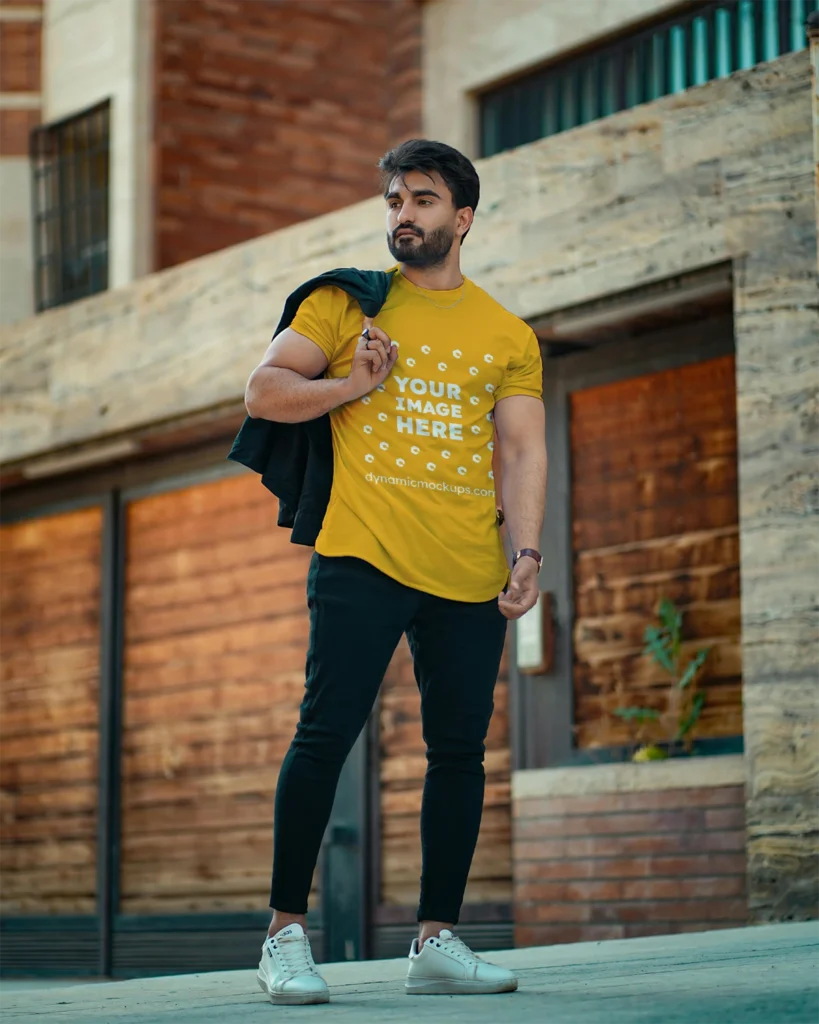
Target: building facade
x,y
649,206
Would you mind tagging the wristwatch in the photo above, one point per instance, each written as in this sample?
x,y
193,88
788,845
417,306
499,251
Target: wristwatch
x,y
531,553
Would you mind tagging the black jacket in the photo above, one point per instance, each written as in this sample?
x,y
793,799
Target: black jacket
x,y
295,460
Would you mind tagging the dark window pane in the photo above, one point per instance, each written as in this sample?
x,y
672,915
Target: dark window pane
x,y
70,170
710,41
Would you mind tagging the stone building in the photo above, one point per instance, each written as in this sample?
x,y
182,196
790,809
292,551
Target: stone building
x,y
170,172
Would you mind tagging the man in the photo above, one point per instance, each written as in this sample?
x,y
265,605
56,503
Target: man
x,y
410,544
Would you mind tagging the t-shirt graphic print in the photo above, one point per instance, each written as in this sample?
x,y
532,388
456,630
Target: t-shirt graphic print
x,y
413,487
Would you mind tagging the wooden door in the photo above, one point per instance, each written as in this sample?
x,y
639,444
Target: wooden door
x,y
49,733
215,637
654,514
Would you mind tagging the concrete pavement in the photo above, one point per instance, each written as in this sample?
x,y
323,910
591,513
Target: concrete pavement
x,y
765,975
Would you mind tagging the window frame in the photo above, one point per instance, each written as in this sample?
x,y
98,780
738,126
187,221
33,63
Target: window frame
x,y
70,209
707,41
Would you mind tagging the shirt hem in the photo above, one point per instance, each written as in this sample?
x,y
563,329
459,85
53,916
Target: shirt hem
x,y
423,589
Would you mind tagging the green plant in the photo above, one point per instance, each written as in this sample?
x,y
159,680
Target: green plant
x,y
685,701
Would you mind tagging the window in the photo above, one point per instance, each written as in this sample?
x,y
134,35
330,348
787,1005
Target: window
x,y
709,42
69,164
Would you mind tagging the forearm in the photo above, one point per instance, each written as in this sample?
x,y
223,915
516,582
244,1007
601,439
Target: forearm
x,y
523,487
285,396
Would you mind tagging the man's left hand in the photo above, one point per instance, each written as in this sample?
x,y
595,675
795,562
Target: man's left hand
x,y
523,589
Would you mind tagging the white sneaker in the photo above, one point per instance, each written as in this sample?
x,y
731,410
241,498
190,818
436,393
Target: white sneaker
x,y
287,971
446,966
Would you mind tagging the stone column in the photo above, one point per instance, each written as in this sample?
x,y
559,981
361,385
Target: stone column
x,y
777,339
813,38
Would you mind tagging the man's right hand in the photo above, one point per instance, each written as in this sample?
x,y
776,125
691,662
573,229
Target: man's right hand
x,y
372,363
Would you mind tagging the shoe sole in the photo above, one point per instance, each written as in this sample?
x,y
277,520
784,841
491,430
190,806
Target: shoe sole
x,y
451,987
292,998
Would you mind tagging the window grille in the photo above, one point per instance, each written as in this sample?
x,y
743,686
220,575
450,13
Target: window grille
x,y
70,174
709,42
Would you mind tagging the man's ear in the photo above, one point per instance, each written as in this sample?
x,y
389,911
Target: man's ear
x,y
464,221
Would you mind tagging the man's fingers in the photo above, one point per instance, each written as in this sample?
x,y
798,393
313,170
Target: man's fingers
x,y
375,358
376,334
513,609
374,346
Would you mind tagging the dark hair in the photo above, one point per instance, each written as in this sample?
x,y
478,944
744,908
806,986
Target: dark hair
x,y
424,155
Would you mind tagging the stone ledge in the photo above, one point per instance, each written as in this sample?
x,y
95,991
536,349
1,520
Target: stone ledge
x,y
677,773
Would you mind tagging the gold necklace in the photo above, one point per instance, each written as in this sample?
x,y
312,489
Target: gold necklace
x,y
438,305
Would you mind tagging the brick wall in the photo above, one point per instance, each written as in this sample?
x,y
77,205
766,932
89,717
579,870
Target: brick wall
x,y
269,112
20,54
614,865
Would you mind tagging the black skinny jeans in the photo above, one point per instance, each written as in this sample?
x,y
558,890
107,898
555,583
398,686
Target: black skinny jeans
x,y
357,617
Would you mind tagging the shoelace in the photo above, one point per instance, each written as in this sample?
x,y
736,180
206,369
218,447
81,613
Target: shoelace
x,y
295,956
457,947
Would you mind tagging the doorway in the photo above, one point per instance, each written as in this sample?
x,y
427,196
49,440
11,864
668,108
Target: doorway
x,y
642,505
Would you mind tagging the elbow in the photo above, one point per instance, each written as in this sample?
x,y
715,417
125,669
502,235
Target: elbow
x,y
253,397
522,454
250,403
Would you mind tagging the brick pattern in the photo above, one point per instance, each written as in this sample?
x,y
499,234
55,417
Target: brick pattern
x,y
273,111
616,865
403,82
20,56
20,72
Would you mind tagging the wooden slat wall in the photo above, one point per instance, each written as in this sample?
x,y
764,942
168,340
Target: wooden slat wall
x,y
403,764
215,641
49,655
654,491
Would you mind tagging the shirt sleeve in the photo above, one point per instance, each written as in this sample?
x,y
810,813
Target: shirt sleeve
x,y
319,319
524,374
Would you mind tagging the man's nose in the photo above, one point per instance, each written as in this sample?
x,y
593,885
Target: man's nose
x,y
404,214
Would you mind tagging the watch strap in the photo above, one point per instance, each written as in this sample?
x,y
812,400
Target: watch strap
x,y
531,553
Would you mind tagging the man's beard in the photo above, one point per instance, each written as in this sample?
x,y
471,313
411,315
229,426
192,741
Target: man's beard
x,y
431,251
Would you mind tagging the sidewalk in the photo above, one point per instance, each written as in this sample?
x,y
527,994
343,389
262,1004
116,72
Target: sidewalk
x,y
766,975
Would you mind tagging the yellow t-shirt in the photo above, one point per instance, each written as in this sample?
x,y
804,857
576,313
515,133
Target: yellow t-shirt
x,y
413,490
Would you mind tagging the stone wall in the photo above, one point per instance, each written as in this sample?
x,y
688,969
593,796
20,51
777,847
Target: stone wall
x,y
96,50
468,47
271,113
721,173
20,102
